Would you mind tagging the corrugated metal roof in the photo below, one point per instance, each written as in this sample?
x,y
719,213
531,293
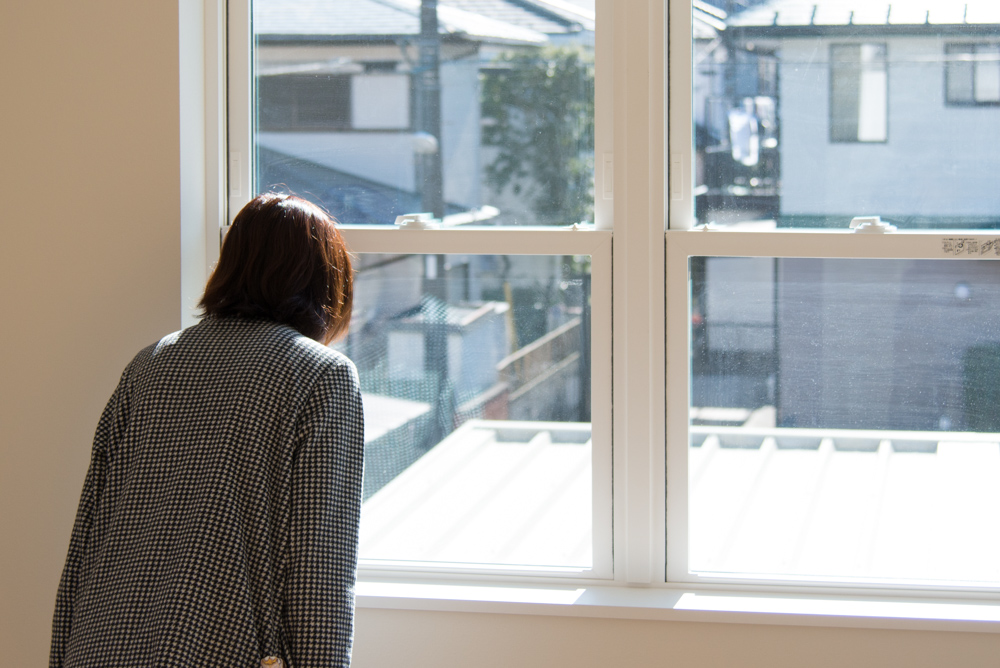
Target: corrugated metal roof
x,y
845,503
871,506
835,13
492,492
370,18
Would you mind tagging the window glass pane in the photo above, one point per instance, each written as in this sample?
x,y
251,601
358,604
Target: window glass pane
x,y
845,94
843,418
987,73
960,63
368,108
806,115
476,383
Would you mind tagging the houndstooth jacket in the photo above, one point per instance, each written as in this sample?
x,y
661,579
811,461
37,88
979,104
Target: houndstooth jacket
x,y
219,518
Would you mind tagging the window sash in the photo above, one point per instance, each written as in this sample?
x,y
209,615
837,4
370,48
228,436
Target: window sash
x,y
682,243
491,241
516,241
636,187
681,246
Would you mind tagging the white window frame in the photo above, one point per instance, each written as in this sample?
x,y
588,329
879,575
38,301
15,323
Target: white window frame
x,y
607,463
682,243
644,160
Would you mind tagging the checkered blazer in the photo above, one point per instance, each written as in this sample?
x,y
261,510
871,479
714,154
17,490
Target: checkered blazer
x,y
219,519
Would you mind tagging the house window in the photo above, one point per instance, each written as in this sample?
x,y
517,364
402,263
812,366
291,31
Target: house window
x,y
858,93
304,102
380,101
972,74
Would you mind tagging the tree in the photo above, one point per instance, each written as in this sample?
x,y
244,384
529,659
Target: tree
x,y
539,112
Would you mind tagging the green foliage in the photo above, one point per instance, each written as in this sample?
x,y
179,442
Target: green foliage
x,y
539,108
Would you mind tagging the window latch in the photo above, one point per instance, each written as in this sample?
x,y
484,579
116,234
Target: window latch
x,y
871,225
417,221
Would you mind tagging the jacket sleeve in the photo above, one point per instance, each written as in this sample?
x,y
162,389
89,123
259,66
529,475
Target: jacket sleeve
x,y
318,610
110,429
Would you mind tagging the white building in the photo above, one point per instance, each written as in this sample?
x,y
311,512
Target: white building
x,y
866,89
337,115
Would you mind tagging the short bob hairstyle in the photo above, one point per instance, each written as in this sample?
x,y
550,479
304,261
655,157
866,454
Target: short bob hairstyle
x,y
284,260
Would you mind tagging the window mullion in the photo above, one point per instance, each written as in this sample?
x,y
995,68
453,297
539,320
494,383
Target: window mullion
x,y
638,314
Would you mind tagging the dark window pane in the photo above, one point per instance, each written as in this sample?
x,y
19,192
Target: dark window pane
x,y
310,102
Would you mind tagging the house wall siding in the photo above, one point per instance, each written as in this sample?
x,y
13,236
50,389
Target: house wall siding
x,y
938,160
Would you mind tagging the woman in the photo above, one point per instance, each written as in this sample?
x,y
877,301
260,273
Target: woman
x,y
218,522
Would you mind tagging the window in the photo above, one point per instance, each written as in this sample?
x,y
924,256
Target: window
x,y
481,324
814,395
826,387
858,89
972,73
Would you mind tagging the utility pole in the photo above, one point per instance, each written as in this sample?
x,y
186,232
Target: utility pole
x,y
430,182
428,109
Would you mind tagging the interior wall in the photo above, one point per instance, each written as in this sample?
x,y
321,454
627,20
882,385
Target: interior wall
x,y
441,639
89,262
90,272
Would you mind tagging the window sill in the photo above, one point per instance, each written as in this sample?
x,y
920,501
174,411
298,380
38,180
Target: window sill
x,y
677,604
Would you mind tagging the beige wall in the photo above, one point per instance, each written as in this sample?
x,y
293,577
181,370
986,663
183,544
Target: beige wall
x,y
89,262
391,638
89,273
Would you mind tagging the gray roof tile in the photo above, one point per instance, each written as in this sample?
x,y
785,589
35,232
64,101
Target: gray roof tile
x,y
346,18
903,13
541,16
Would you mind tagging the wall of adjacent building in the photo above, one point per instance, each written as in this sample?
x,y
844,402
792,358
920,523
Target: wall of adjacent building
x,y
90,263
937,160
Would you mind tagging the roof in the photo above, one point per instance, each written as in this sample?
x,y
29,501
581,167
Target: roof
x,y
546,16
822,16
331,20
845,503
382,414
352,199
456,316
490,493
868,505
708,20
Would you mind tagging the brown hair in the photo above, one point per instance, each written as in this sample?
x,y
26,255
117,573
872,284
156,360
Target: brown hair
x,y
284,260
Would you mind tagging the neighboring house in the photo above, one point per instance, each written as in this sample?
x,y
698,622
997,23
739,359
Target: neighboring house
x,y
560,21
337,122
336,114
884,109
335,91
887,109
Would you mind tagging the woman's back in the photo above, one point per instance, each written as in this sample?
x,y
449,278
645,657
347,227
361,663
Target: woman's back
x,y
218,523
